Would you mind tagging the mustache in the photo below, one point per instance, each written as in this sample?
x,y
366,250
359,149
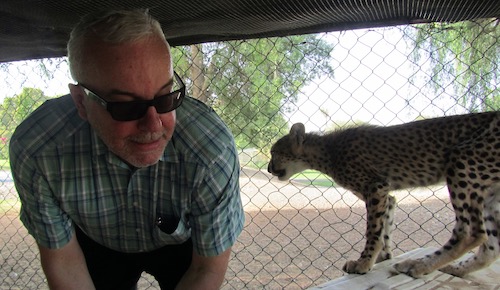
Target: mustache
x,y
148,137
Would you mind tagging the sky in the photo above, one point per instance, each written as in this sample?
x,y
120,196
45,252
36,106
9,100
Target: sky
x,y
370,85
29,74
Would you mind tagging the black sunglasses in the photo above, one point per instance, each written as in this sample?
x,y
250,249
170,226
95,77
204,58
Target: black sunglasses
x,y
134,110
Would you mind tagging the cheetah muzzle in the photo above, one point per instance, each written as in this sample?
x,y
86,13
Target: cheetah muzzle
x,y
371,161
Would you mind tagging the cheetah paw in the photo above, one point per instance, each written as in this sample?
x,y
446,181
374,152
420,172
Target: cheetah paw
x,y
384,256
414,268
357,267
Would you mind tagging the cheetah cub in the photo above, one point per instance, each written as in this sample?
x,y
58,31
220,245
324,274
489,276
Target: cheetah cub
x,y
371,161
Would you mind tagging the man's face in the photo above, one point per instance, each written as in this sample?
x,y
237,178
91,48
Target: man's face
x,y
133,71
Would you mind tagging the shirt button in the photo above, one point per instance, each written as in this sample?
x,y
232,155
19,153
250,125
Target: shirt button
x,y
135,204
138,230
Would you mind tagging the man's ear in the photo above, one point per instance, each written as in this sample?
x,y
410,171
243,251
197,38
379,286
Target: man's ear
x,y
78,97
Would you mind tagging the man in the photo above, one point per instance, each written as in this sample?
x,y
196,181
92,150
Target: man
x,y
127,174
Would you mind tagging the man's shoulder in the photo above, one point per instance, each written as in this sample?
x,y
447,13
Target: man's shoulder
x,y
200,128
51,123
191,105
200,120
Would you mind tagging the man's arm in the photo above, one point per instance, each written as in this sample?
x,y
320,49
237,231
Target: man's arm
x,y
65,268
205,272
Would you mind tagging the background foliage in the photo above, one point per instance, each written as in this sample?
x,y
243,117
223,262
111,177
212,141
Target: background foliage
x,y
463,56
249,82
13,110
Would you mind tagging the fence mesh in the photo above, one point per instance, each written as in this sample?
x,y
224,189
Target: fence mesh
x,y
299,233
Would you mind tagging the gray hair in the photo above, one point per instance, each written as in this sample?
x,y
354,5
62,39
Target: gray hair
x,y
112,27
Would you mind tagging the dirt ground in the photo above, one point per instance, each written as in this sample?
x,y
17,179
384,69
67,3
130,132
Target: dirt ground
x,y
295,236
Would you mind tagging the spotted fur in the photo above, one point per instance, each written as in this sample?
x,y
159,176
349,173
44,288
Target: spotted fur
x,y
371,161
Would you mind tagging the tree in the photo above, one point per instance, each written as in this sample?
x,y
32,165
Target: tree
x,y
14,110
465,56
250,83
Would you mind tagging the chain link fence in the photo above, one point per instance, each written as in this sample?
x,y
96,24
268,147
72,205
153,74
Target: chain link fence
x,y
299,233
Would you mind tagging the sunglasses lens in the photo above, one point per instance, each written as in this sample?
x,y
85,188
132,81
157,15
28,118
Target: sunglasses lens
x,y
127,111
169,102
134,110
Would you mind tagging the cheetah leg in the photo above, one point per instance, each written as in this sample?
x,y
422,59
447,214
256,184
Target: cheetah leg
x,y
460,242
386,252
490,250
376,206
469,231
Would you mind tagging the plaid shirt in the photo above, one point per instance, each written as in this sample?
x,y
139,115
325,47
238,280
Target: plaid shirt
x,y
65,175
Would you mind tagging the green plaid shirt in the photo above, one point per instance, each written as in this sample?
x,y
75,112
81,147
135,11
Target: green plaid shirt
x,y
65,175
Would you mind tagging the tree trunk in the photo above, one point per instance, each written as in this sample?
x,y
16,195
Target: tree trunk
x,y
197,75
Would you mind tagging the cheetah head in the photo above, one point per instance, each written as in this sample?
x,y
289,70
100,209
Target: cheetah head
x,y
287,153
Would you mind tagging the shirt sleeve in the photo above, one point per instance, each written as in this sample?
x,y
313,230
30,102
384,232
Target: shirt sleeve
x,y
40,210
218,216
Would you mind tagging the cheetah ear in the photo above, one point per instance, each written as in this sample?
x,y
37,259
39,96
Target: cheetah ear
x,y
297,133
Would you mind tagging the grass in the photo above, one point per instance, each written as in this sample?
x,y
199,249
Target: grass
x,y
307,177
313,177
4,164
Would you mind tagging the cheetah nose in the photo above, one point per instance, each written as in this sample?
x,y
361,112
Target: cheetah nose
x,y
274,171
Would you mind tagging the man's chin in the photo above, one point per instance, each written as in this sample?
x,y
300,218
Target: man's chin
x,y
142,160
145,155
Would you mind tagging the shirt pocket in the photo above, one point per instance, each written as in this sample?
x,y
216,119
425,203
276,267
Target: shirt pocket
x,y
172,230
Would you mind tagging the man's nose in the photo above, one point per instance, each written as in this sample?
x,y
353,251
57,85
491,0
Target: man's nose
x,y
151,121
